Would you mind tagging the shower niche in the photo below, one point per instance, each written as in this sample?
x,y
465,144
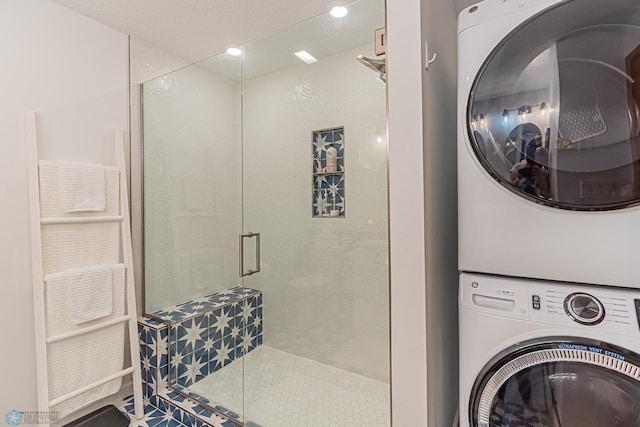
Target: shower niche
x,y
327,192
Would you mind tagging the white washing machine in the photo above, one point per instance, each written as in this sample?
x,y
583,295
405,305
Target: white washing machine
x,y
548,140
542,354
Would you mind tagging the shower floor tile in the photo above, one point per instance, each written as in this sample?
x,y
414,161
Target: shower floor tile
x,y
284,390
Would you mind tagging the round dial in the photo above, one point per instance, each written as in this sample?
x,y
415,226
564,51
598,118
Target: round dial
x,y
584,308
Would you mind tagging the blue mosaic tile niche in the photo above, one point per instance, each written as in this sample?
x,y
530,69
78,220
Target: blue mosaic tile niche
x,y
327,195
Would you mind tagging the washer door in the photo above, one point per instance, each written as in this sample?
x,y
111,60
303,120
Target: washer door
x,y
559,383
554,112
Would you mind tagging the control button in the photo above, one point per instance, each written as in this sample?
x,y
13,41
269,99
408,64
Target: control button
x,y
584,308
637,304
535,302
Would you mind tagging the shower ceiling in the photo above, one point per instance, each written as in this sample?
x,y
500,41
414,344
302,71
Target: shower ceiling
x,y
198,29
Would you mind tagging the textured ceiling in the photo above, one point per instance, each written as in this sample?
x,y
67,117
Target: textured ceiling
x,y
198,29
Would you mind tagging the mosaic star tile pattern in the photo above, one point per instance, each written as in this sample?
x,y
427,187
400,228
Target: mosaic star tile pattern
x,y
214,335
188,343
285,390
207,303
166,414
328,188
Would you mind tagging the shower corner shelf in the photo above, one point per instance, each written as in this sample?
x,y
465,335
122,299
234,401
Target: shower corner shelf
x,y
328,173
327,188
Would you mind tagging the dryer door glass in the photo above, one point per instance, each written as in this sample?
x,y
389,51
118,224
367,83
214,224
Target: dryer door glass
x,y
574,385
554,111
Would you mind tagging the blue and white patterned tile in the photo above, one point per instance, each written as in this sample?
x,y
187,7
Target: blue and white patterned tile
x,y
198,331
143,334
214,300
147,390
174,397
246,312
153,416
235,291
238,322
184,374
172,343
151,323
220,322
201,363
244,344
172,315
222,354
162,355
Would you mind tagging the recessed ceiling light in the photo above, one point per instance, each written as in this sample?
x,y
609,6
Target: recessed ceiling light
x,y
305,56
234,51
338,11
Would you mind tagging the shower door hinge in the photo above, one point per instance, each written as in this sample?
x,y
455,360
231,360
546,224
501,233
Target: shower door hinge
x,y
381,41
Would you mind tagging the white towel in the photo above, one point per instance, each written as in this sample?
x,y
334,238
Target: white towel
x,y
60,305
71,365
68,246
51,203
83,186
91,293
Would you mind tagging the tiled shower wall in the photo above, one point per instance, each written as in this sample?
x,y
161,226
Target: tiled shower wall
x,y
326,280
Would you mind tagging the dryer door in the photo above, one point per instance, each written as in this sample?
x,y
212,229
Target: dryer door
x,y
561,382
554,112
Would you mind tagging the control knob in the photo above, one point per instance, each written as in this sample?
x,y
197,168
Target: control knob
x,y
584,308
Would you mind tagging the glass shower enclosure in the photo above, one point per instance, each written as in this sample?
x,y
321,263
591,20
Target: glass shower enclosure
x,y
265,226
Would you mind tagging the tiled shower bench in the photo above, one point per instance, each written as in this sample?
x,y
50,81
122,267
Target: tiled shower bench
x,y
182,345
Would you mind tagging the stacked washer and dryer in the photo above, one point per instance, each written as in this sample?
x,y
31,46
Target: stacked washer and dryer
x,y
549,213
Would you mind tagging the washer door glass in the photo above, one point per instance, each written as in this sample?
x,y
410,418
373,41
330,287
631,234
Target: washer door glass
x,y
558,385
554,113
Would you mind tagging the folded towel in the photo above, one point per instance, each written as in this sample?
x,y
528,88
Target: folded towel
x,y
60,301
51,203
83,186
79,361
91,293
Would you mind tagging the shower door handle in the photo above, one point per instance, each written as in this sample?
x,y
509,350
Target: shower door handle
x,y
249,272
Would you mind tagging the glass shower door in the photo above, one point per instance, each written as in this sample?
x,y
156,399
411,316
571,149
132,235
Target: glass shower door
x,y
315,317
192,206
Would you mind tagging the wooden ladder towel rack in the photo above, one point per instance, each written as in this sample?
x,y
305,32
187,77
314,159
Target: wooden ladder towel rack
x,y
43,341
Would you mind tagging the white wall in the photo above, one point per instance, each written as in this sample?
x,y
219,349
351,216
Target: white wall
x,y
406,215
439,128
324,280
423,235
73,73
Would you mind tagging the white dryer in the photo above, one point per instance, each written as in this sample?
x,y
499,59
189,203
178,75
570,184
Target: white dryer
x,y
542,354
548,140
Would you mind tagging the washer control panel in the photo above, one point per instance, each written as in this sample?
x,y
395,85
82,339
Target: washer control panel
x,y
584,308
580,306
